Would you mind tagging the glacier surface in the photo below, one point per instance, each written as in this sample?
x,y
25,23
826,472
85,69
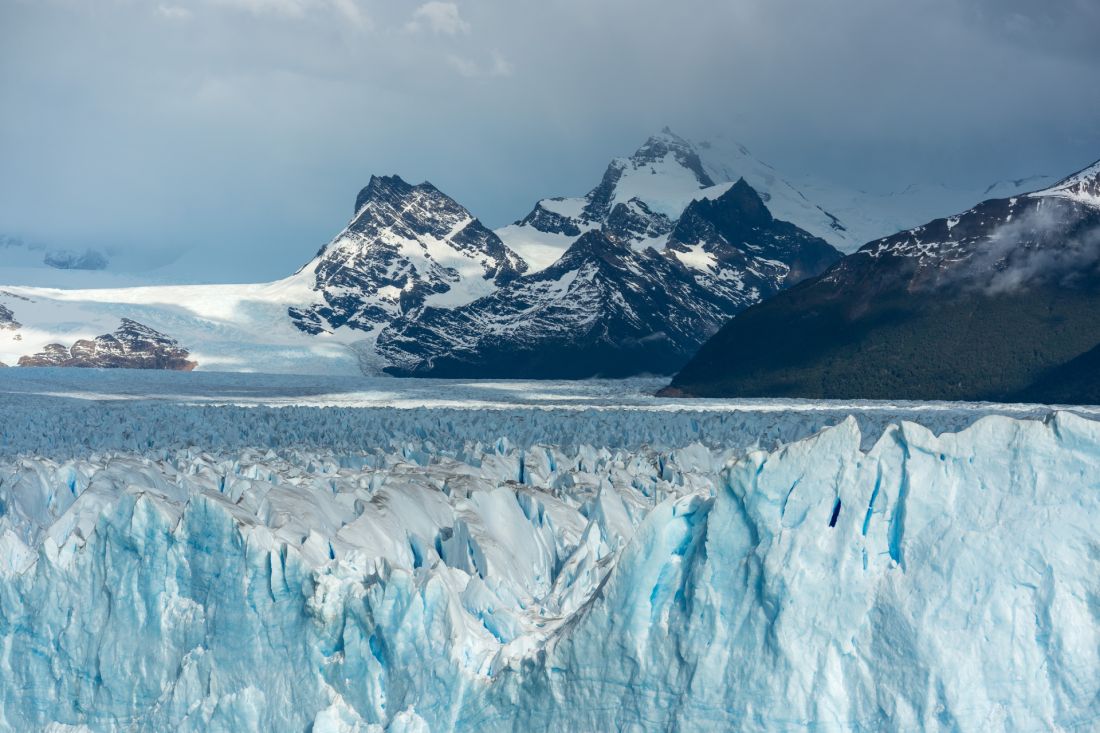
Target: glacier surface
x,y
247,553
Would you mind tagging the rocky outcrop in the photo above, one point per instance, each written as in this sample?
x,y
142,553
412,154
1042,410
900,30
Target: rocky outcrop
x,y
132,346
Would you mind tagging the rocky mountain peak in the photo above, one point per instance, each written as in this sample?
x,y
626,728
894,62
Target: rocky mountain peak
x,y
667,143
391,202
743,204
381,188
665,164
621,299
407,246
640,198
592,245
737,218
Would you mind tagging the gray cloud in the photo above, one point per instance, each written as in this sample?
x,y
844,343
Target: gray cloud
x,y
241,129
1062,258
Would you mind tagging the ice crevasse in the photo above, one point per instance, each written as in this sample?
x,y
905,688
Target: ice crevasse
x,y
944,583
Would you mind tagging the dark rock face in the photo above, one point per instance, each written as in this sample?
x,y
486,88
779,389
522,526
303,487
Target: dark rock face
x,y
986,305
609,309
750,254
131,346
405,244
635,221
551,222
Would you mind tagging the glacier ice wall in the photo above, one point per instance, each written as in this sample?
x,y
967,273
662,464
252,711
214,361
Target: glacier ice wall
x,y
945,582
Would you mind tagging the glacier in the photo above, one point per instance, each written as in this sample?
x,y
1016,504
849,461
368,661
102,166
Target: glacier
x,y
249,553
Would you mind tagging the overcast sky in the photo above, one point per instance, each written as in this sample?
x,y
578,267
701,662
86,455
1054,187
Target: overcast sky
x,y
239,131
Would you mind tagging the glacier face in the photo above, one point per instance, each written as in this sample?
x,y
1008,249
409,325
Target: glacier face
x,y
889,578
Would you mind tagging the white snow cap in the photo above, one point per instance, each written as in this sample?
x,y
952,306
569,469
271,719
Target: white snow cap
x,y
1083,187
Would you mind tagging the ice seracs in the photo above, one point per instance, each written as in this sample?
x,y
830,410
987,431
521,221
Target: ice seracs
x,y
926,582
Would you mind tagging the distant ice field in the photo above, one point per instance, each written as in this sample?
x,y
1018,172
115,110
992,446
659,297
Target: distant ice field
x,y
66,412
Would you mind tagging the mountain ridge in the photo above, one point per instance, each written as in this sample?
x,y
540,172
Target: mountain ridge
x,y
607,307
412,260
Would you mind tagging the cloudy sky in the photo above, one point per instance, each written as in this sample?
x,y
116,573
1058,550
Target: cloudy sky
x,y
237,132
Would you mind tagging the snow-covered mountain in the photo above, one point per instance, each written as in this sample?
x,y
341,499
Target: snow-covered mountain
x,y
982,305
418,271
1050,235
406,247
727,160
610,307
641,197
1011,187
735,246
17,252
601,309
1082,187
638,201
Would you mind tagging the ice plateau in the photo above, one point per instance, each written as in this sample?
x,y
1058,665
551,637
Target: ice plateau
x,y
210,562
